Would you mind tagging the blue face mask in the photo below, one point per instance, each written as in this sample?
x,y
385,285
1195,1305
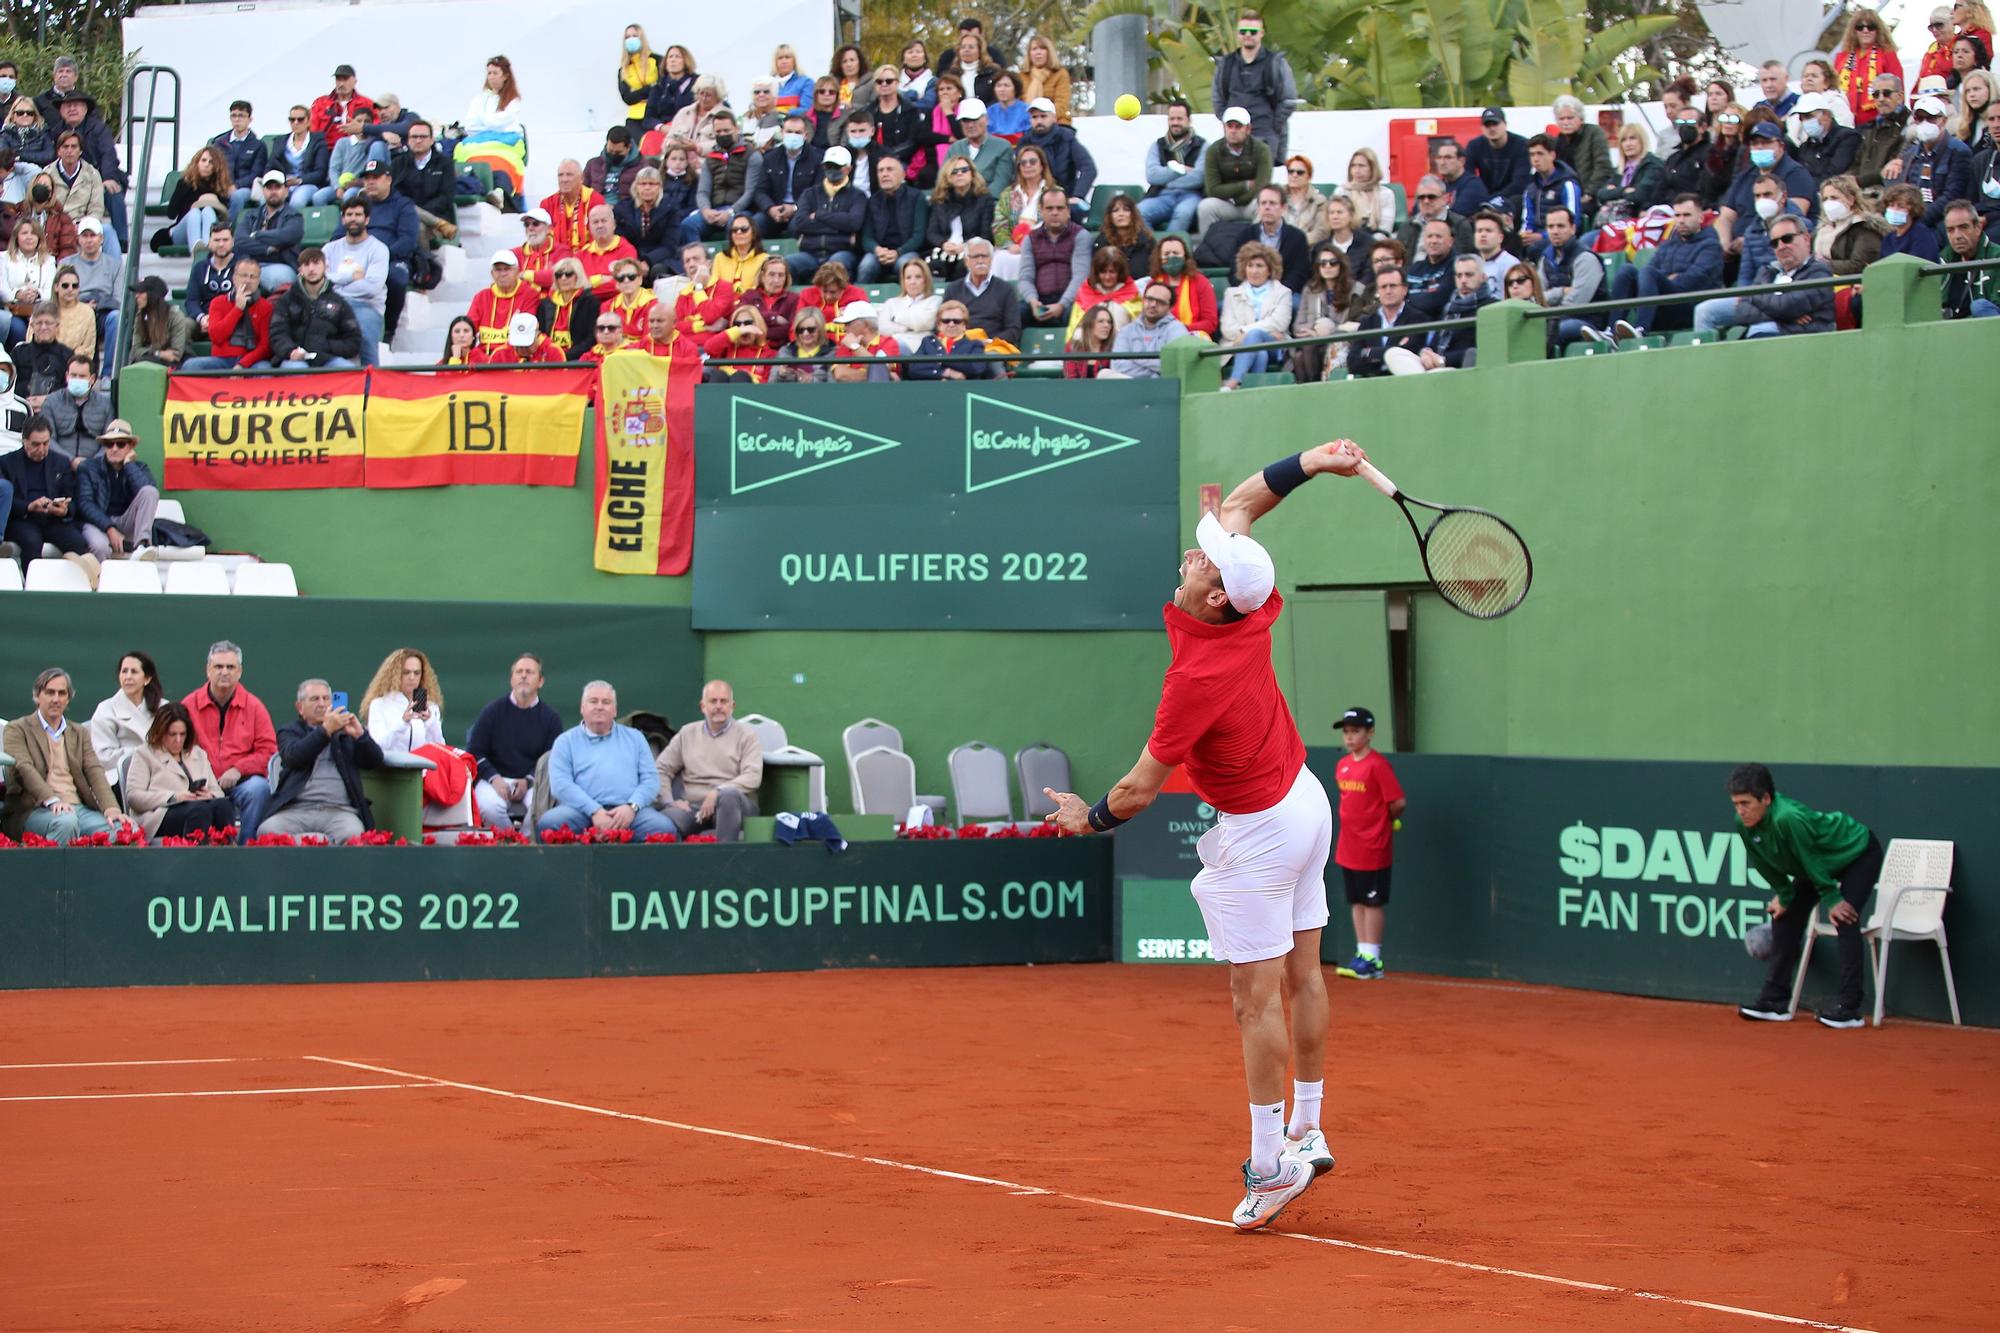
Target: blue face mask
x,y
1764,158
1990,188
78,387
631,46
6,87
794,142
1896,217
857,141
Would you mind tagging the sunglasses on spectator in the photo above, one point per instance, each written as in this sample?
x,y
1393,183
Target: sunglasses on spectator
x,y
1248,30
1729,120
1518,282
1295,171
1934,25
1328,261
739,231
612,327
881,82
1429,198
951,319
1865,26
961,171
742,324
67,286
627,277
1788,236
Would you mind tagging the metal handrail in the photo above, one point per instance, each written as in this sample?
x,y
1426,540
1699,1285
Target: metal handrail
x,y
1344,336
1689,298
1958,266
141,185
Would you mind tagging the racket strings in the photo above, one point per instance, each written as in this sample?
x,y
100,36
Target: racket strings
x,y
1479,564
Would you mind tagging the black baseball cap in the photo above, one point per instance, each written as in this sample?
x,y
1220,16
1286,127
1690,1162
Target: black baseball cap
x,y
1356,717
343,71
1493,115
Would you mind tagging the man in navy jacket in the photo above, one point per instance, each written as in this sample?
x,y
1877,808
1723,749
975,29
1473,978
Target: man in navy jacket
x,y
392,220
1688,260
1499,159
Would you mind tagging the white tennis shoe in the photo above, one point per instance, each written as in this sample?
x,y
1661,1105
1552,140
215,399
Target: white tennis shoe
x,y
1311,1149
1264,1197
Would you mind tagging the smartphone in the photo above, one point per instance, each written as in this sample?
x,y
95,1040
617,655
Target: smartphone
x,y
420,699
340,700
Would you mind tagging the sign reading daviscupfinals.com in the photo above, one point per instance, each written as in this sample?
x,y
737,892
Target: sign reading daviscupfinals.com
x,y
961,505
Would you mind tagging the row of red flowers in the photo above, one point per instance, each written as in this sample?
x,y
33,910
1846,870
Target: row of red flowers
x,y
130,836
941,832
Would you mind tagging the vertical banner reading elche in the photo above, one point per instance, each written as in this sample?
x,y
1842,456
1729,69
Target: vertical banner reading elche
x,y
645,462
473,427
265,434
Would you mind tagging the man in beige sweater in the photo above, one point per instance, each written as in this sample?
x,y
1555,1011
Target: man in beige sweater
x,y
710,771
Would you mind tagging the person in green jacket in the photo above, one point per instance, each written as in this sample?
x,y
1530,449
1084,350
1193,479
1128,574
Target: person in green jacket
x,y
1811,858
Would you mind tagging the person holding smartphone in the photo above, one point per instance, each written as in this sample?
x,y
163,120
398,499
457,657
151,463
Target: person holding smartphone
x,y
403,705
170,786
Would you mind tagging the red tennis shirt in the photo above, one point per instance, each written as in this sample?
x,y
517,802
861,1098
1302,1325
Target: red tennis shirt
x,y
1222,714
1367,785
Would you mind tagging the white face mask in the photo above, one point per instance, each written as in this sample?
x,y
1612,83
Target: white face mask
x,y
1767,209
1836,210
1924,131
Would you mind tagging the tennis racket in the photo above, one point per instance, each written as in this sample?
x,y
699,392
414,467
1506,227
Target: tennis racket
x,y
1474,558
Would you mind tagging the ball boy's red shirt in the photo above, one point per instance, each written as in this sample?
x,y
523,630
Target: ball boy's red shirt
x,y
1222,714
1367,785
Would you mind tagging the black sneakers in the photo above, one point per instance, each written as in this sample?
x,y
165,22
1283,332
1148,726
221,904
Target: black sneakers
x,y
1841,1017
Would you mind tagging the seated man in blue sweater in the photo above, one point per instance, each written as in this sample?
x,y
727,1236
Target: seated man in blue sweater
x,y
509,737
1688,260
602,775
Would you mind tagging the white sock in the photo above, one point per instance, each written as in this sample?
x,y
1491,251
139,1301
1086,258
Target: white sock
x,y
1372,952
1305,1107
1267,1137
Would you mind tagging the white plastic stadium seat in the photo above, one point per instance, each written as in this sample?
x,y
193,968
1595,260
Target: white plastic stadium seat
x,y
197,577
129,576
257,579
979,784
170,510
56,576
885,782
770,734
1910,895
1040,765
10,576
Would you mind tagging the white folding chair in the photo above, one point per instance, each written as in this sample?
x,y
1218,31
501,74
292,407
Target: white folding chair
x,y
1910,894
141,576
770,735
258,579
885,782
1037,766
979,784
170,510
56,576
198,578
10,576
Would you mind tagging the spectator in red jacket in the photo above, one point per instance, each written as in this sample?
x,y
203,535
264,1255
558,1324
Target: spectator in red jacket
x,y
525,342
603,249
634,300
702,306
239,324
494,309
333,113
234,729
1194,294
662,338
569,207
540,253
744,339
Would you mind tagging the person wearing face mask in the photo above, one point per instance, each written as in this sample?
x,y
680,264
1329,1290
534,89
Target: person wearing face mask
x,y
638,71
1908,234
606,173
830,218
1686,162
1823,146
1849,238
357,265
1938,164
858,133
731,175
80,413
790,169
1985,173
1768,204
1767,158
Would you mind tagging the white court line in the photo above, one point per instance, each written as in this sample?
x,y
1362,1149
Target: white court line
x,y
109,1064
1018,1189
225,1092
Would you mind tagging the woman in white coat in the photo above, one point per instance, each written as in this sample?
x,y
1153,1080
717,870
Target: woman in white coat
x,y
403,707
1258,309
122,722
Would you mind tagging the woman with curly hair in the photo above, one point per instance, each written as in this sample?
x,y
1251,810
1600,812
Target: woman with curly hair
x,y
1258,309
403,706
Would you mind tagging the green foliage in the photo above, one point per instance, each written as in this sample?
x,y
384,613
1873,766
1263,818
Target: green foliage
x,y
102,67
1411,53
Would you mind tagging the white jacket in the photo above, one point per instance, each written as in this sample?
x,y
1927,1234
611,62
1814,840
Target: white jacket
x,y
395,736
17,272
1238,316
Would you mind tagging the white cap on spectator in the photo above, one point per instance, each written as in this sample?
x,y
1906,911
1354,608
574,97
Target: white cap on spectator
x,y
270,176
971,109
1934,105
506,257
838,156
1248,575
540,215
1236,115
90,224
854,310
1811,102
521,330
1042,104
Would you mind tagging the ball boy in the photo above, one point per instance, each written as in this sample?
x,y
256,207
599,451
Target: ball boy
x,y
1371,800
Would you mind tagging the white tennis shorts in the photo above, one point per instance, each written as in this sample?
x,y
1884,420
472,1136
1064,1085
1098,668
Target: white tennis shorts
x,y
1263,875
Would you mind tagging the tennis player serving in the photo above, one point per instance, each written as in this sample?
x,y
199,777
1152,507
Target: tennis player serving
x,y
1262,888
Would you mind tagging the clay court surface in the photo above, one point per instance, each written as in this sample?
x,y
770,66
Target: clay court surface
x,y
1823,1178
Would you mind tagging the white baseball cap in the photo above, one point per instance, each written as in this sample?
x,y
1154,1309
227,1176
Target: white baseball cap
x,y
1933,105
1248,575
1236,115
854,310
1810,102
971,109
540,215
506,257
90,224
838,156
1042,104
521,330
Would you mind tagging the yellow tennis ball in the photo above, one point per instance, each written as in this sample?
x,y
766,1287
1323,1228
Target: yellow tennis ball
x,y
1127,107
1399,826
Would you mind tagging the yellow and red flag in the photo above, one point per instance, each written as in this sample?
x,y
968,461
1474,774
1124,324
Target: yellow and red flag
x,y
476,427
292,433
645,460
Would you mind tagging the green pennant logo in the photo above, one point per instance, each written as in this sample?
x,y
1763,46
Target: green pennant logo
x,y
1005,442
768,445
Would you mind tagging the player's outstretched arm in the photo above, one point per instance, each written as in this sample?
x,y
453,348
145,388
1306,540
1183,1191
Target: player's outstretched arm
x,y
1134,792
1260,492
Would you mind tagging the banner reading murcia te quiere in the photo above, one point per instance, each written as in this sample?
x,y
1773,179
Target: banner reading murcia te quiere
x,y
265,434
474,427
645,461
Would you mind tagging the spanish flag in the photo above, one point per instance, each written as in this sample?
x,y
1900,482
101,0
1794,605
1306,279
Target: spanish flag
x,y
645,460
476,427
267,434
